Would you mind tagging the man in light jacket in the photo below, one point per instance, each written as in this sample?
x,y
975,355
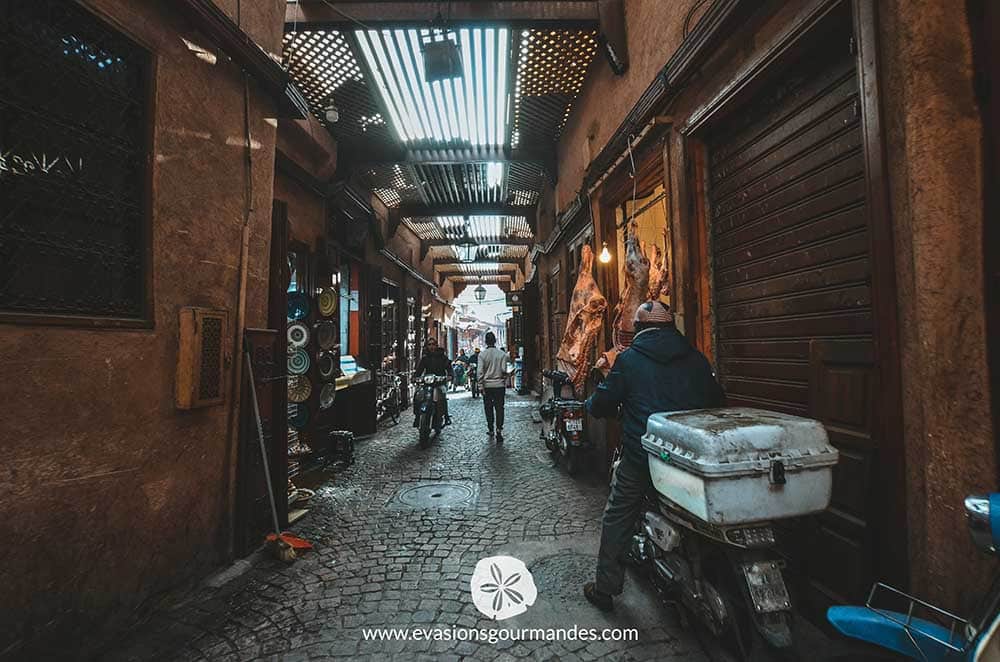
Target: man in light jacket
x,y
492,378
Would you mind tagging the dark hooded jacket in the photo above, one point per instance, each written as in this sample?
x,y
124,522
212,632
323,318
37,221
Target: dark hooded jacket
x,y
434,363
659,372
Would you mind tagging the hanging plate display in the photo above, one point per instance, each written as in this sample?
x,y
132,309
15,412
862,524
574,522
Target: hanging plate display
x,y
299,388
327,396
298,306
327,302
326,334
300,419
329,365
298,362
298,335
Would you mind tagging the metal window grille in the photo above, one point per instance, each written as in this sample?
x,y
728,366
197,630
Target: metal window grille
x,y
73,164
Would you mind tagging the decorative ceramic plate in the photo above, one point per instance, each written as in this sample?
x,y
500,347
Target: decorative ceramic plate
x,y
298,335
327,396
298,362
329,365
299,388
326,334
300,418
298,306
327,302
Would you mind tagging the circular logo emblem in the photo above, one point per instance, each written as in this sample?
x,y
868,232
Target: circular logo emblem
x,y
502,587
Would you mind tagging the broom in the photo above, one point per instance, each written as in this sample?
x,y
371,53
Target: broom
x,y
281,544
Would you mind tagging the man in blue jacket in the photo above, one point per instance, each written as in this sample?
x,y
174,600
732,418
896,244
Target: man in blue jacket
x,y
660,372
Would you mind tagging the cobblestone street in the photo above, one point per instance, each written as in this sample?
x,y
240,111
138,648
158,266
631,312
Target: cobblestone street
x,y
380,562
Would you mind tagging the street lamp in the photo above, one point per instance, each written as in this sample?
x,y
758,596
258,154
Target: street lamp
x,y
467,250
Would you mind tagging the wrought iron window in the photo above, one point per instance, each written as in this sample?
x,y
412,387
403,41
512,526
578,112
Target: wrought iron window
x,y
74,144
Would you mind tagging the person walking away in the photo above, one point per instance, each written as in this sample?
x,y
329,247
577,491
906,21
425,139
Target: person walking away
x,y
493,379
435,362
660,372
474,365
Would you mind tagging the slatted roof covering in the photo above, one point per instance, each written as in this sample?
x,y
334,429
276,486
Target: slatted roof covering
x,y
486,138
466,182
324,68
551,68
485,279
482,229
466,111
480,268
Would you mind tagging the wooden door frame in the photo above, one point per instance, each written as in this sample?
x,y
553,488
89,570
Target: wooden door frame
x,y
694,240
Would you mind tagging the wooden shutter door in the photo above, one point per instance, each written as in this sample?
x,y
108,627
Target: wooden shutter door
x,y
792,291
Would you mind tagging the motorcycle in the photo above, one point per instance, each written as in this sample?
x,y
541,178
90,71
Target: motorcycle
x,y
459,369
563,422
722,478
473,382
428,406
891,619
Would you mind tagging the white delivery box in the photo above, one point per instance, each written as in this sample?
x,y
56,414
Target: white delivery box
x,y
735,465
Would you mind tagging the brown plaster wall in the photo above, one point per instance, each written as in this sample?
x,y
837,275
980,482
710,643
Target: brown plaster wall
x,y
306,210
933,137
113,493
936,184
653,32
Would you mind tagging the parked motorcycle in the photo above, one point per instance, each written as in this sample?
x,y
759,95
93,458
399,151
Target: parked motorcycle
x,y
722,478
898,622
563,422
473,380
428,406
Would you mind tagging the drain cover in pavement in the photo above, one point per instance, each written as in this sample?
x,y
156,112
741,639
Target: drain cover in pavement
x,y
562,576
436,495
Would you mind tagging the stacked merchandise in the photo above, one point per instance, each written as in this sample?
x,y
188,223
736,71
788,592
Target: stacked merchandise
x,y
313,368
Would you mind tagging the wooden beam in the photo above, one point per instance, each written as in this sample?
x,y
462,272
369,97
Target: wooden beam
x,y
423,211
564,14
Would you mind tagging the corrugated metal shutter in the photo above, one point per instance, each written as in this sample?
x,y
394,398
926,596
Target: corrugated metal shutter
x,y
789,236
792,292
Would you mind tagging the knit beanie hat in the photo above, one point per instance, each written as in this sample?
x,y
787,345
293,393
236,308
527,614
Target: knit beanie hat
x,y
653,312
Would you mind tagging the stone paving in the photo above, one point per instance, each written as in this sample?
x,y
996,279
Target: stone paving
x,y
381,562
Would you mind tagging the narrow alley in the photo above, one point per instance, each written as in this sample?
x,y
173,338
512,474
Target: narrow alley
x,y
387,560
730,267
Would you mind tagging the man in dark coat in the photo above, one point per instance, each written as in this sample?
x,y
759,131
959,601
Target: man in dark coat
x,y
435,362
660,372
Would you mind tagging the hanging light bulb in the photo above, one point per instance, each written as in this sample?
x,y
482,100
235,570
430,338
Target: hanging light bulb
x,y
605,255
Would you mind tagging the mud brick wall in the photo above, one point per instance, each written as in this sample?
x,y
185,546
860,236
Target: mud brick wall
x,y
113,493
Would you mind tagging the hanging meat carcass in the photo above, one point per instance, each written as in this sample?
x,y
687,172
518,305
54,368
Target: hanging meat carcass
x,y
637,283
586,315
659,282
